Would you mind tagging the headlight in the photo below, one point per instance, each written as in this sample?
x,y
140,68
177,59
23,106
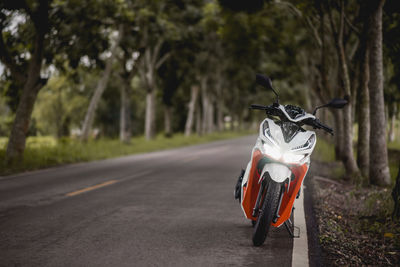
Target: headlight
x,y
272,151
276,153
267,133
289,157
310,142
307,145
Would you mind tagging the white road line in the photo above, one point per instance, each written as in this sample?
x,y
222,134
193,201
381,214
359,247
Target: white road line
x,y
300,245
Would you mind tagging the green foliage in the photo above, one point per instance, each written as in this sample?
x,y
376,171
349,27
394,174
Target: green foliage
x,y
59,107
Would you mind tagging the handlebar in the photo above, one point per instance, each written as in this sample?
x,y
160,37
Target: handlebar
x,y
320,125
255,106
272,110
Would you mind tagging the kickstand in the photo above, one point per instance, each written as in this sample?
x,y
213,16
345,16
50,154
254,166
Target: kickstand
x,y
288,225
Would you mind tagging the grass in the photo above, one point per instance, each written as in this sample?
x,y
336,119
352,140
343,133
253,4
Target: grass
x,y
394,145
42,152
394,159
324,151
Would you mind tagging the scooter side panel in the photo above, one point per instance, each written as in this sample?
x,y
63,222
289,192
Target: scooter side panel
x,y
250,190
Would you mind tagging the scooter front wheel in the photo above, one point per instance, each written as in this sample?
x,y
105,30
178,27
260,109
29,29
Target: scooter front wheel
x,y
267,212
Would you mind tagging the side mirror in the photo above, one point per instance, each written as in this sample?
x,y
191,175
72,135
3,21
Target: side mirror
x,y
337,103
334,103
264,81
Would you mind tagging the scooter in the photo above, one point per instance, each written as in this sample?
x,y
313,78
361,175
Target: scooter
x,y
279,162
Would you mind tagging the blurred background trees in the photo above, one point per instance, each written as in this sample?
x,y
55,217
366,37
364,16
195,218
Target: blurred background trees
x,y
125,68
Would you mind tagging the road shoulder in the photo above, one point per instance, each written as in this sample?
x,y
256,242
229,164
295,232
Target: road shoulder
x,y
314,248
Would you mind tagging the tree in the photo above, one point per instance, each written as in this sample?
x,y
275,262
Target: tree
x,y
379,170
194,92
129,70
44,38
27,74
154,30
338,32
101,86
363,101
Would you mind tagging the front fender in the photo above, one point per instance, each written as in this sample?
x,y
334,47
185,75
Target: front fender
x,y
278,172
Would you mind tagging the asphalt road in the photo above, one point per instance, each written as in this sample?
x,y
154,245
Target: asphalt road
x,y
169,208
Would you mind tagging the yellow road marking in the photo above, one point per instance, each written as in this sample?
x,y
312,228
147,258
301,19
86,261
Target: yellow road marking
x,y
83,190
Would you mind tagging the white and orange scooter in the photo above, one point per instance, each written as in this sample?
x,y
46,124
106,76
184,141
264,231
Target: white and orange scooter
x,y
279,162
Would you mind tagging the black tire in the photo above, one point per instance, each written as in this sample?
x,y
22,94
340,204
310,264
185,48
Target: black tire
x,y
266,214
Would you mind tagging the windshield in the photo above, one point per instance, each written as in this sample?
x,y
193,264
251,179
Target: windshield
x,y
294,112
289,130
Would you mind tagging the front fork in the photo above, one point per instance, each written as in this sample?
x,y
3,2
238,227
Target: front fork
x,y
261,194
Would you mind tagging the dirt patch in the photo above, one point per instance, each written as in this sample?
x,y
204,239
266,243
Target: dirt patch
x,y
354,223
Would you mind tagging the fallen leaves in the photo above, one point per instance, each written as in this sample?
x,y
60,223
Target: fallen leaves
x,y
354,227
390,235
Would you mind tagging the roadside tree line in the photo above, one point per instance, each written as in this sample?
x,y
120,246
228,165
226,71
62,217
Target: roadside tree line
x,y
129,66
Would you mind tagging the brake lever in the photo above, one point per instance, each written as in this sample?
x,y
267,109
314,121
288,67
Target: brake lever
x,y
255,106
325,128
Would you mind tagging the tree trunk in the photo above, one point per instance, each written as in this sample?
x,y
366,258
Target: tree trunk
x,y
210,119
101,86
348,155
125,114
205,103
19,131
219,101
363,114
220,113
220,116
32,85
149,65
235,122
194,91
150,115
392,135
198,119
167,120
337,116
379,170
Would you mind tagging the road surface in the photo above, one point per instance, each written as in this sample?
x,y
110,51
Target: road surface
x,y
169,208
